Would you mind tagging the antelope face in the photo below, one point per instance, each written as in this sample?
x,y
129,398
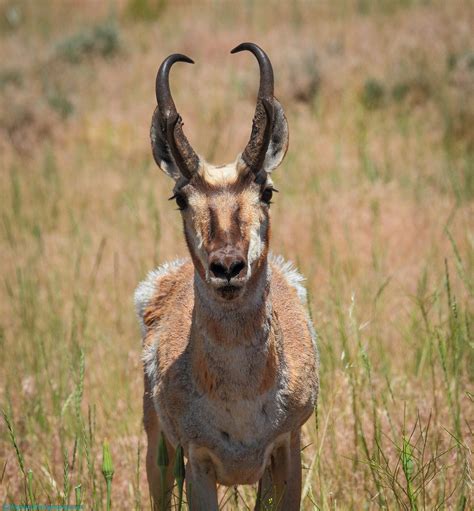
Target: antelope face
x,y
225,209
226,225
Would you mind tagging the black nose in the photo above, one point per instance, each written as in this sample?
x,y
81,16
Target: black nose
x,y
223,269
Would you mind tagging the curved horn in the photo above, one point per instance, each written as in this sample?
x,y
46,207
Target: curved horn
x,y
254,152
171,124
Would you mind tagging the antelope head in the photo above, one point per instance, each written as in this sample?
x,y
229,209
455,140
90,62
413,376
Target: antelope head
x,y
225,209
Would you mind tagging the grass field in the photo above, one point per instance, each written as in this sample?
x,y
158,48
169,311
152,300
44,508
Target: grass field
x,y
376,209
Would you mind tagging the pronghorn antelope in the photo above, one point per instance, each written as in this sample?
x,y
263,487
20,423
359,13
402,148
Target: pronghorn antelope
x,y
230,360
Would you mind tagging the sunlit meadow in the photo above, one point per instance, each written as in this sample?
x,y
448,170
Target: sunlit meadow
x,y
375,207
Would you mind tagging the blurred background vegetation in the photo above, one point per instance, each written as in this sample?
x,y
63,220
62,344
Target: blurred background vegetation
x,y
376,209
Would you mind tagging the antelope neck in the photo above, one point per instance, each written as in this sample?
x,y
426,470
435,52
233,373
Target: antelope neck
x,y
244,321
232,346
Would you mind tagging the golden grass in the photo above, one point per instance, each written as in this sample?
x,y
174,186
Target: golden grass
x,y
373,202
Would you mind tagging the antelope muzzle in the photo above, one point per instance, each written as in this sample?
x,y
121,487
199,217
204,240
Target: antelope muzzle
x,y
228,271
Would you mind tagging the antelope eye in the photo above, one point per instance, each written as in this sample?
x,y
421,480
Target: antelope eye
x,y
267,195
181,201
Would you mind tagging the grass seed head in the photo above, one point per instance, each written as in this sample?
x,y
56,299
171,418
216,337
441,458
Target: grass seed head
x,y
107,465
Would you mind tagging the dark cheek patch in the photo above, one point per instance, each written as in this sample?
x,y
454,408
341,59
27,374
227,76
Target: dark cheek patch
x,y
236,223
213,224
196,261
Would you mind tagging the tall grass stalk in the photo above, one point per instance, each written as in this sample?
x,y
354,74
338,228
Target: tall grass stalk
x,y
408,466
163,462
179,474
78,495
19,456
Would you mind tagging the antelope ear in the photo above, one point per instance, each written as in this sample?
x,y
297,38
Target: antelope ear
x,y
161,150
279,139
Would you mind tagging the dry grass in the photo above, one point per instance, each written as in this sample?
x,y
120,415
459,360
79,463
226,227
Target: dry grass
x,y
376,209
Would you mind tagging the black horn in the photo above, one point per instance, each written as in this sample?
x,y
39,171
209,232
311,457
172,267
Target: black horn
x,y
256,149
170,122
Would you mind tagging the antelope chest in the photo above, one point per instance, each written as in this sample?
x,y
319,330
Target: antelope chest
x,y
233,424
236,436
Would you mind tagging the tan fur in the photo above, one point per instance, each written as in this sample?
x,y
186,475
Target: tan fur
x,y
231,367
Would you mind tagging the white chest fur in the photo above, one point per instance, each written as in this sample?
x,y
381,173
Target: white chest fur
x,y
237,436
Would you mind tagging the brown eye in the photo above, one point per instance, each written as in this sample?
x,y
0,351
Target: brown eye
x,y
267,195
181,202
